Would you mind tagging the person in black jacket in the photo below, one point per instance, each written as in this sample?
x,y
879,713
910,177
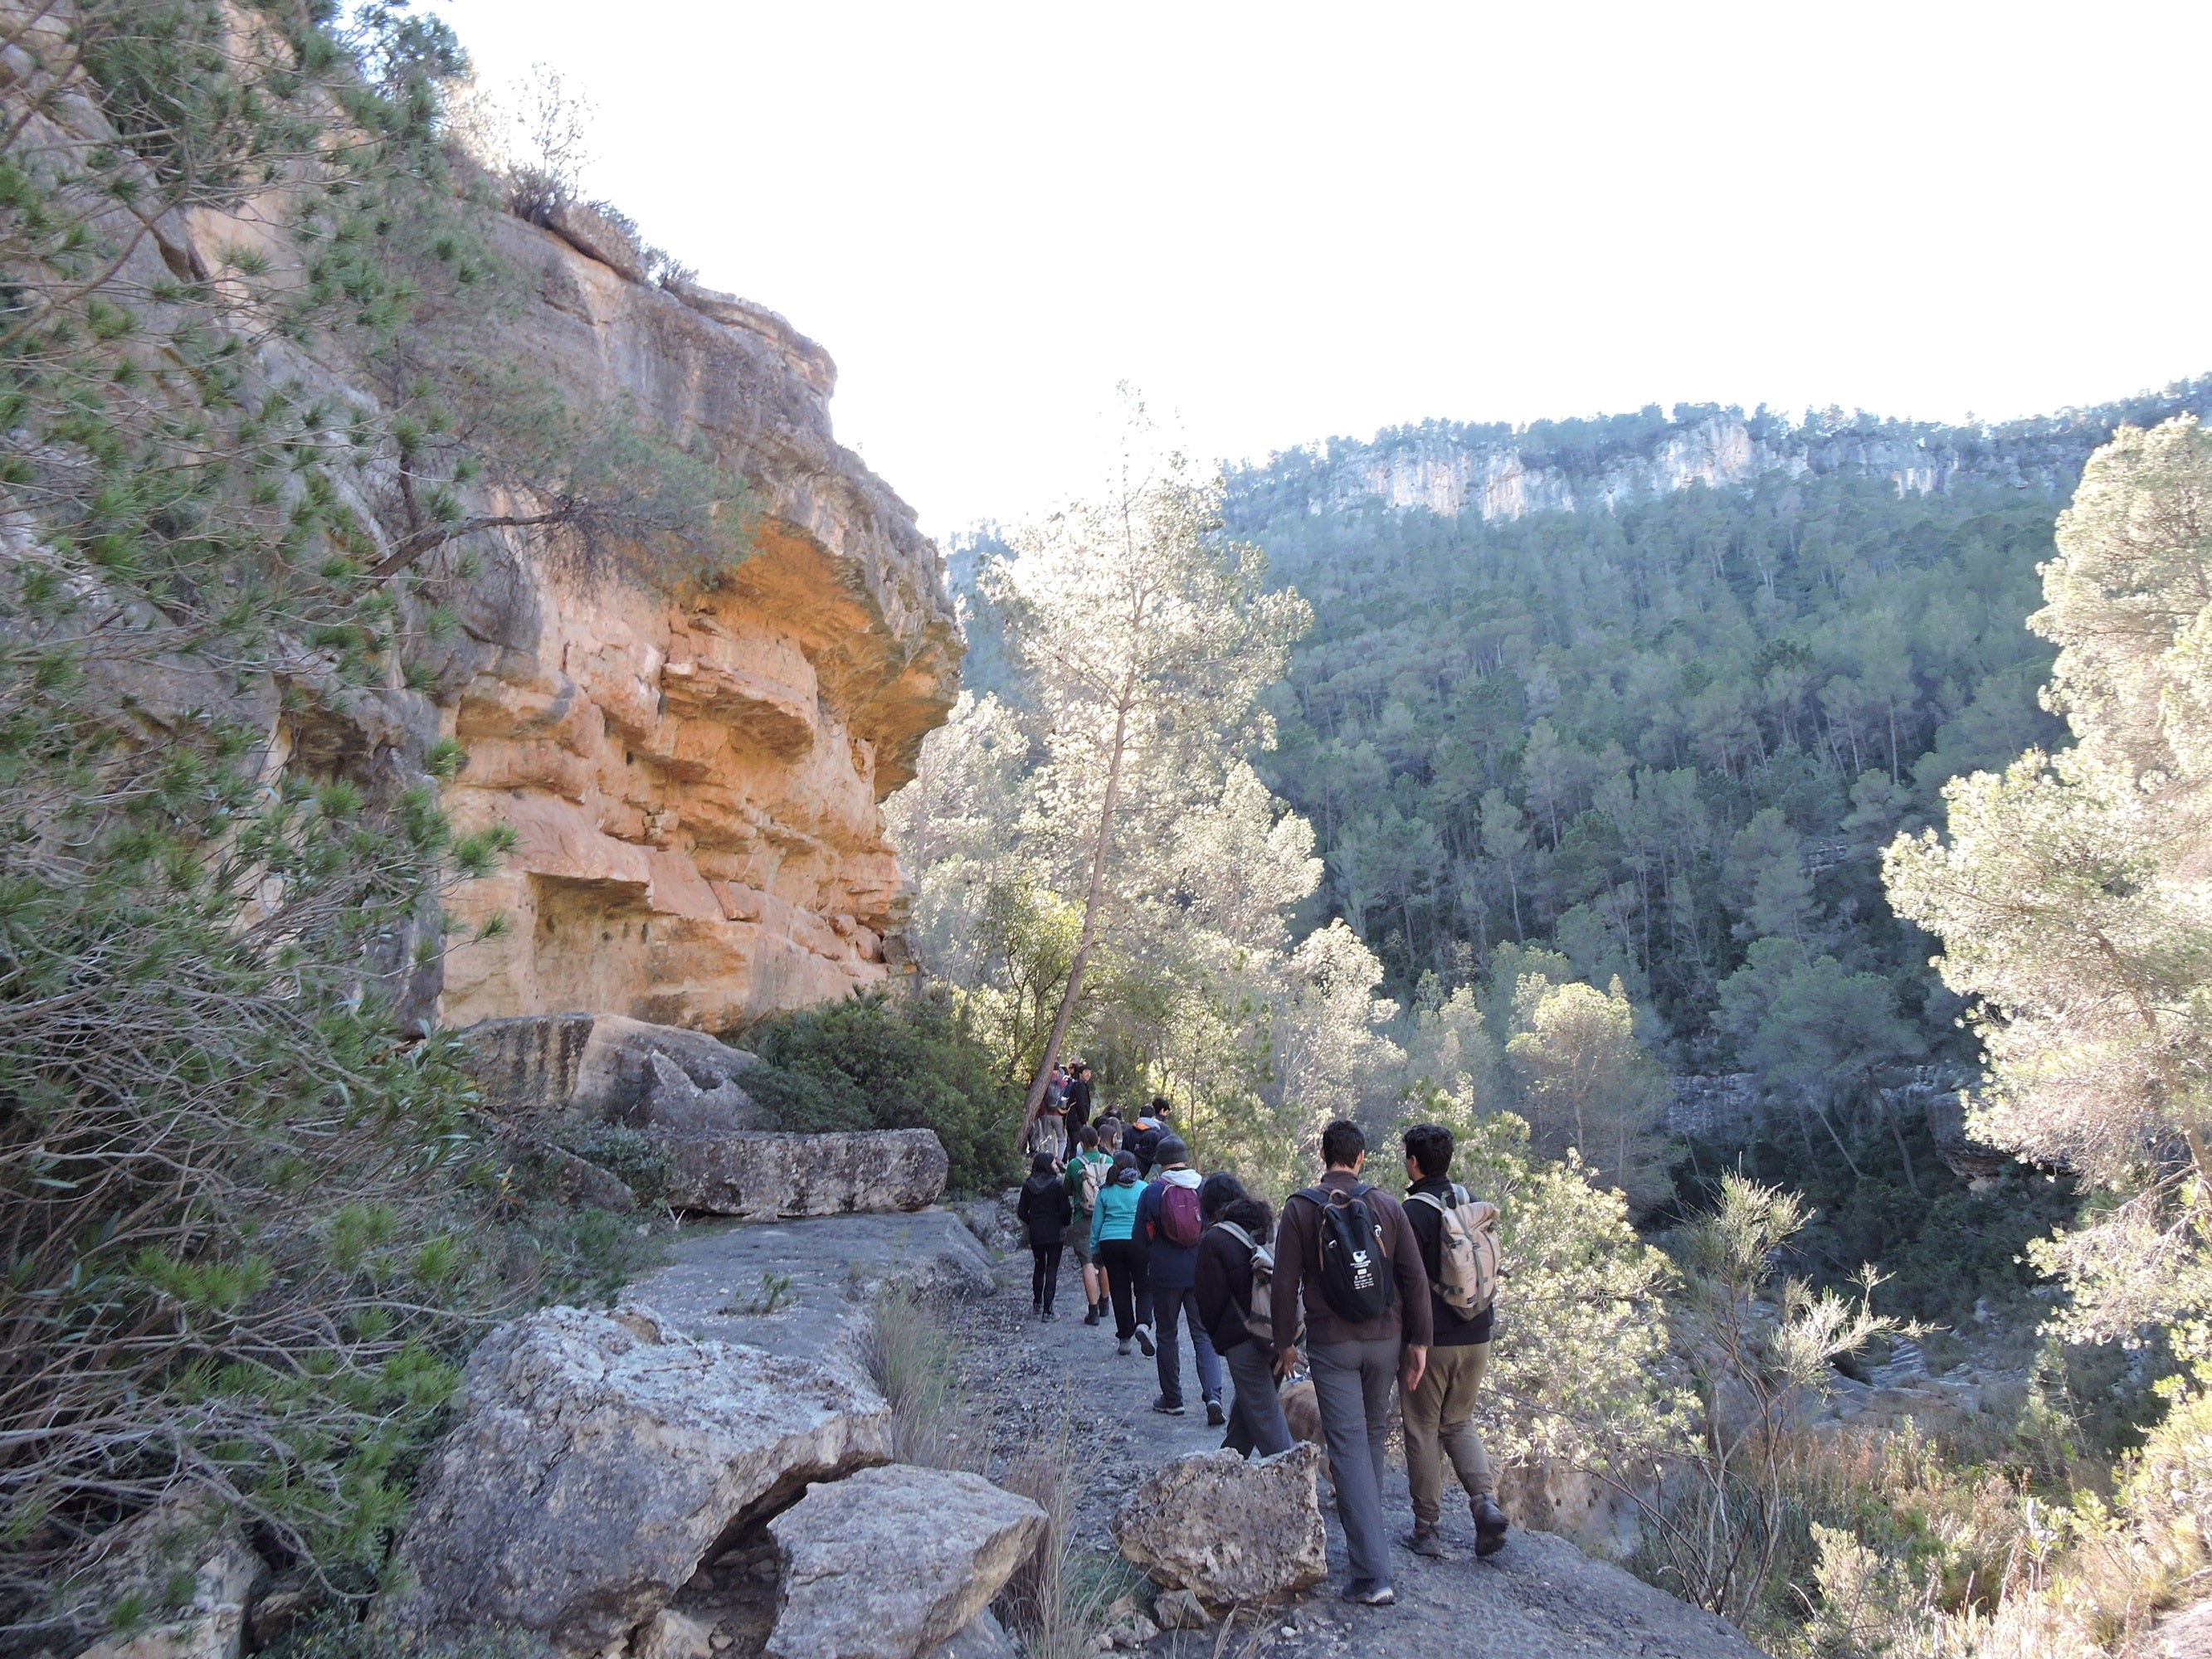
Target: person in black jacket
x,y
1047,1209
1235,1223
1439,1413
1151,1129
1077,1100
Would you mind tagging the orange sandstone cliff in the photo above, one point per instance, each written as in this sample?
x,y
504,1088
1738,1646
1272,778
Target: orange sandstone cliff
x,y
694,787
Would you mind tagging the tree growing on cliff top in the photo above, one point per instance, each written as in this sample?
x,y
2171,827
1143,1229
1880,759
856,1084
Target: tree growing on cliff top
x,y
1149,636
2073,897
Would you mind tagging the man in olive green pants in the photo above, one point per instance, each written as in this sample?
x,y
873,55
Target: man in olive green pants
x,y
1440,1411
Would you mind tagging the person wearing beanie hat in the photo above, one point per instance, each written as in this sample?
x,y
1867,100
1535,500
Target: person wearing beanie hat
x,y
1169,1223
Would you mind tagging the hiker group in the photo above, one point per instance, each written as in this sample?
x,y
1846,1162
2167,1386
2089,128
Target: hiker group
x,y
1320,1315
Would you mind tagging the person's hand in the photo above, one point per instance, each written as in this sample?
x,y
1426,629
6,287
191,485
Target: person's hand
x,y
1415,1366
1287,1361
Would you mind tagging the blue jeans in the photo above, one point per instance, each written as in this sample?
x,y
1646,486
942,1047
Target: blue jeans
x,y
1169,1301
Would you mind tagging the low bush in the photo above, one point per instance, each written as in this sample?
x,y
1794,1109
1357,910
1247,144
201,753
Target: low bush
x,y
874,1063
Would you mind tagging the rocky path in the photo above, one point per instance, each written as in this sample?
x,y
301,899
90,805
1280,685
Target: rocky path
x,y
1539,1597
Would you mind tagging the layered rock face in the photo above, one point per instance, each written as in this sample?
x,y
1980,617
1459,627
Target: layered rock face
x,y
1447,469
694,787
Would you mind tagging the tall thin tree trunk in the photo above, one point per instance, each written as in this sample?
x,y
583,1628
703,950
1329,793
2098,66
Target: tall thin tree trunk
x,y
1091,901
1897,1131
1848,1159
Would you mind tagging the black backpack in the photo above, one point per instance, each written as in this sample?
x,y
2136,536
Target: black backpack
x,y
1356,1277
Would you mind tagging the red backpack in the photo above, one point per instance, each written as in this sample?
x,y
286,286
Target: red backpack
x,y
1179,1222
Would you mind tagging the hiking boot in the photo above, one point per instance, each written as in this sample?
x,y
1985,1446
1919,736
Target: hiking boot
x,y
1167,1407
1123,1346
1091,1318
1424,1540
1370,1593
1489,1525
1049,1317
1145,1340
1215,1417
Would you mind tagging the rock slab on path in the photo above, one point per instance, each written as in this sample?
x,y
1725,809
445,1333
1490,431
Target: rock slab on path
x,y
765,1176
599,1458
1228,1529
893,1562
825,1273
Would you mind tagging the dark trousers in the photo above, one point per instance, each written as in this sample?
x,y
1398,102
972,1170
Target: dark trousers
x,y
1129,1274
1352,1383
1255,1414
1044,1275
1170,1302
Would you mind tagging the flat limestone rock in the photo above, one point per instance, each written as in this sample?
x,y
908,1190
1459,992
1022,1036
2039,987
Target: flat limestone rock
x,y
599,1458
1226,1529
894,1561
760,1176
806,1288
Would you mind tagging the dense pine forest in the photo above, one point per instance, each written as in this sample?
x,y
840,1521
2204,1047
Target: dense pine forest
x,y
1656,737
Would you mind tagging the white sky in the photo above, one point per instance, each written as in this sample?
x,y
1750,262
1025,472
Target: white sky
x,y
1285,221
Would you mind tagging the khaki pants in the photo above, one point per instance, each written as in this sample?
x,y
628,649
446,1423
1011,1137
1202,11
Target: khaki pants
x,y
1440,1419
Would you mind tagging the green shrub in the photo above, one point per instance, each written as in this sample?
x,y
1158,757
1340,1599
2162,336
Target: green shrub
x,y
639,1163
872,1063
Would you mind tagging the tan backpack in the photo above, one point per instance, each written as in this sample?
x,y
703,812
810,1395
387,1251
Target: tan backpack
x,y
1466,1251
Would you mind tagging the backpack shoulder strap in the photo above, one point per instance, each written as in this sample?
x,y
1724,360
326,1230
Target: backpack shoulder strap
x,y
1238,1234
1429,1199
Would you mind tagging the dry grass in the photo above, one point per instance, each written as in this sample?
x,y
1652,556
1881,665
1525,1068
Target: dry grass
x,y
1056,1602
914,1358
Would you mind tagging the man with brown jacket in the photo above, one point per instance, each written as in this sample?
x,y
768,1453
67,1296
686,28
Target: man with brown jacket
x,y
1354,1365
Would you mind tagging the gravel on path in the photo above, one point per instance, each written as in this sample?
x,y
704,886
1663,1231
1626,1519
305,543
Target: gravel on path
x,y
1539,1597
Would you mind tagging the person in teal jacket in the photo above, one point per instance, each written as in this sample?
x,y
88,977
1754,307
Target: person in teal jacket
x,y
1116,1243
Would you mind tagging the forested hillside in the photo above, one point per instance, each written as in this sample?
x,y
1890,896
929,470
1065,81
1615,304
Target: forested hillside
x,y
1659,735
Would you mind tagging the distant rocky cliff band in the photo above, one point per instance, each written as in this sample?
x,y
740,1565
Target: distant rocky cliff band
x,y
1500,472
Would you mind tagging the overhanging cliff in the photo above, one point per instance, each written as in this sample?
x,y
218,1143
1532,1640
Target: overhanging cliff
x,y
694,786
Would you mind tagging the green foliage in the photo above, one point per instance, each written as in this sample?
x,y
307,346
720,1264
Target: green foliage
x,y
245,1213
2069,892
641,1164
1942,1250
872,1063
1652,735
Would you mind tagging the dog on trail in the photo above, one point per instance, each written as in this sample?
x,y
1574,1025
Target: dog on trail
x,y
1301,1412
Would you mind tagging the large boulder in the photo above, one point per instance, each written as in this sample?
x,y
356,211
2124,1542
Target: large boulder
x,y
758,1175
597,1460
527,1067
1227,1529
571,1070
895,1561
662,1077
